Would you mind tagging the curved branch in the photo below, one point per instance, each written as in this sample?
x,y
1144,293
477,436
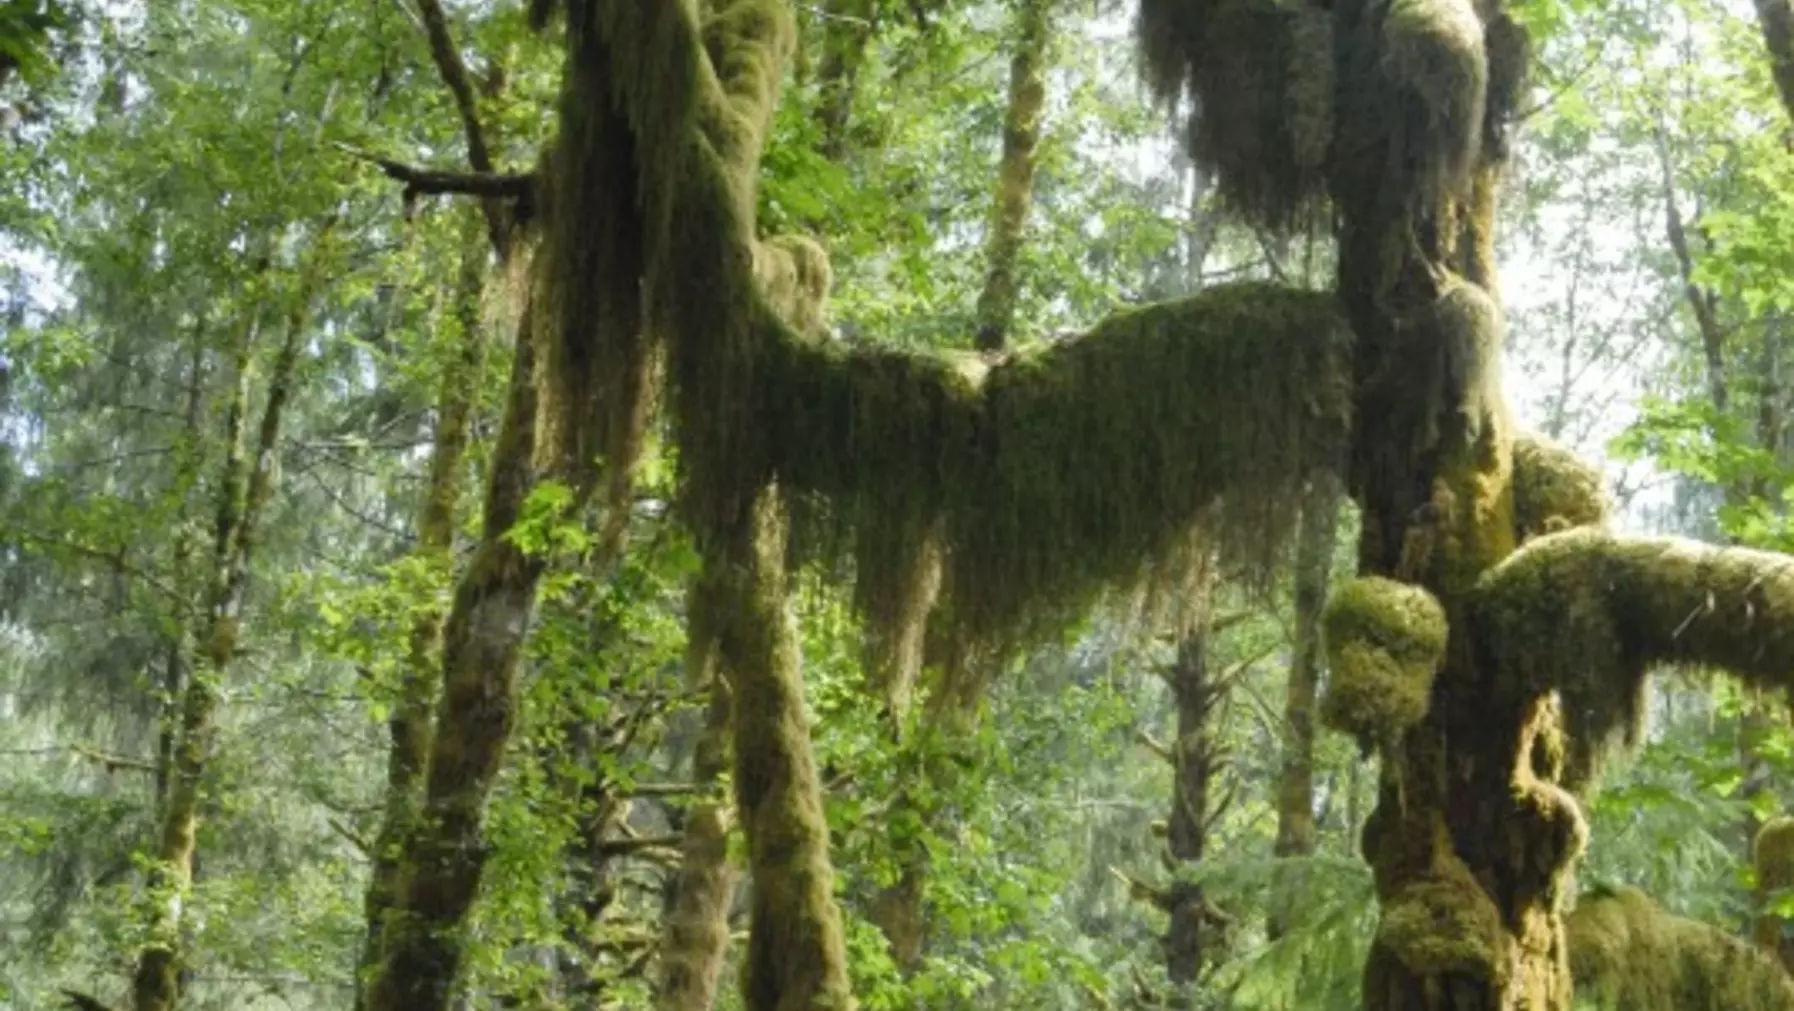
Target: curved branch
x,y
430,182
1588,613
479,155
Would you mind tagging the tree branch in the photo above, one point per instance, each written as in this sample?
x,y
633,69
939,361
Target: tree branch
x,y
429,182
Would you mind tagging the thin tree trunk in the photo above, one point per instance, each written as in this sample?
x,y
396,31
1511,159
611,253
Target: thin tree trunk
x,y
847,30
189,455
1296,831
696,935
1195,762
796,957
1015,174
1778,37
439,868
409,725
245,488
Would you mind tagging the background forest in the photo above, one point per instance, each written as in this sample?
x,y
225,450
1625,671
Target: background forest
x,y
255,336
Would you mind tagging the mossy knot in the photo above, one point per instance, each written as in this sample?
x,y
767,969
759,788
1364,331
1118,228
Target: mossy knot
x,y
1385,643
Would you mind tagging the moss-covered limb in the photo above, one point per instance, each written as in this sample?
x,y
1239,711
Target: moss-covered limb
x,y
1588,613
1064,471
796,956
246,485
1554,489
408,727
1259,75
439,868
696,929
794,276
1015,172
1385,645
1627,953
1312,575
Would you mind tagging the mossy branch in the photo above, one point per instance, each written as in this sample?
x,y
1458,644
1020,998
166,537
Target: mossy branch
x,y
1588,613
1627,953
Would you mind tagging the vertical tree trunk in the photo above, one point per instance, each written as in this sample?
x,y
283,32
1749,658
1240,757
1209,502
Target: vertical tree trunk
x,y
1195,762
1296,832
409,726
847,30
1015,174
246,485
439,866
796,958
1778,37
696,937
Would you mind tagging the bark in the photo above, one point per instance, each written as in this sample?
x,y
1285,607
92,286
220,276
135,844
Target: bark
x,y
440,864
447,57
696,933
796,958
408,728
1015,174
246,485
1778,37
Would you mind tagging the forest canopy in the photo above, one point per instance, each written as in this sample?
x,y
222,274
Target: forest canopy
x,y
866,504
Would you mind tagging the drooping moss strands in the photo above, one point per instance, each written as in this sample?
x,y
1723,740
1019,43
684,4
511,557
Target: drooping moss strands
x,y
1587,614
1067,470
1257,78
1627,954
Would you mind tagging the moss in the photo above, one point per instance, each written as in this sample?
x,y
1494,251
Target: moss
x,y
1443,922
1772,853
1059,473
1627,954
1587,613
794,276
1385,644
1554,489
1257,78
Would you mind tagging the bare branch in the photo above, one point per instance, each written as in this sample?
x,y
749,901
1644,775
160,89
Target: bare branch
x,y
424,181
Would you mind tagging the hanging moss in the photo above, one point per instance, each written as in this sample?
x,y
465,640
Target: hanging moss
x,y
1554,490
1627,954
1385,644
1587,613
1257,79
1061,472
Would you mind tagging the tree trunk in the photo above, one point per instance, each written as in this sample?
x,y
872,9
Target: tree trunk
x,y
847,30
1015,174
696,930
1195,761
1778,38
796,958
246,486
1296,833
439,865
409,726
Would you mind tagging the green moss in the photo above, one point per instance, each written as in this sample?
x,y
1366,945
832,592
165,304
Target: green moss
x,y
1385,644
1588,613
1627,954
794,276
1257,75
1443,923
1554,489
1068,470
1773,854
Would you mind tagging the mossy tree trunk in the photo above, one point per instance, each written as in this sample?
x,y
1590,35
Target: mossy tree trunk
x,y
245,488
796,957
1297,834
1196,759
1777,20
408,728
1015,173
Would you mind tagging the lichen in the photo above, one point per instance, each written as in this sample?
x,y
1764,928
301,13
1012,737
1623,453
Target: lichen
x,y
1627,954
1385,643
